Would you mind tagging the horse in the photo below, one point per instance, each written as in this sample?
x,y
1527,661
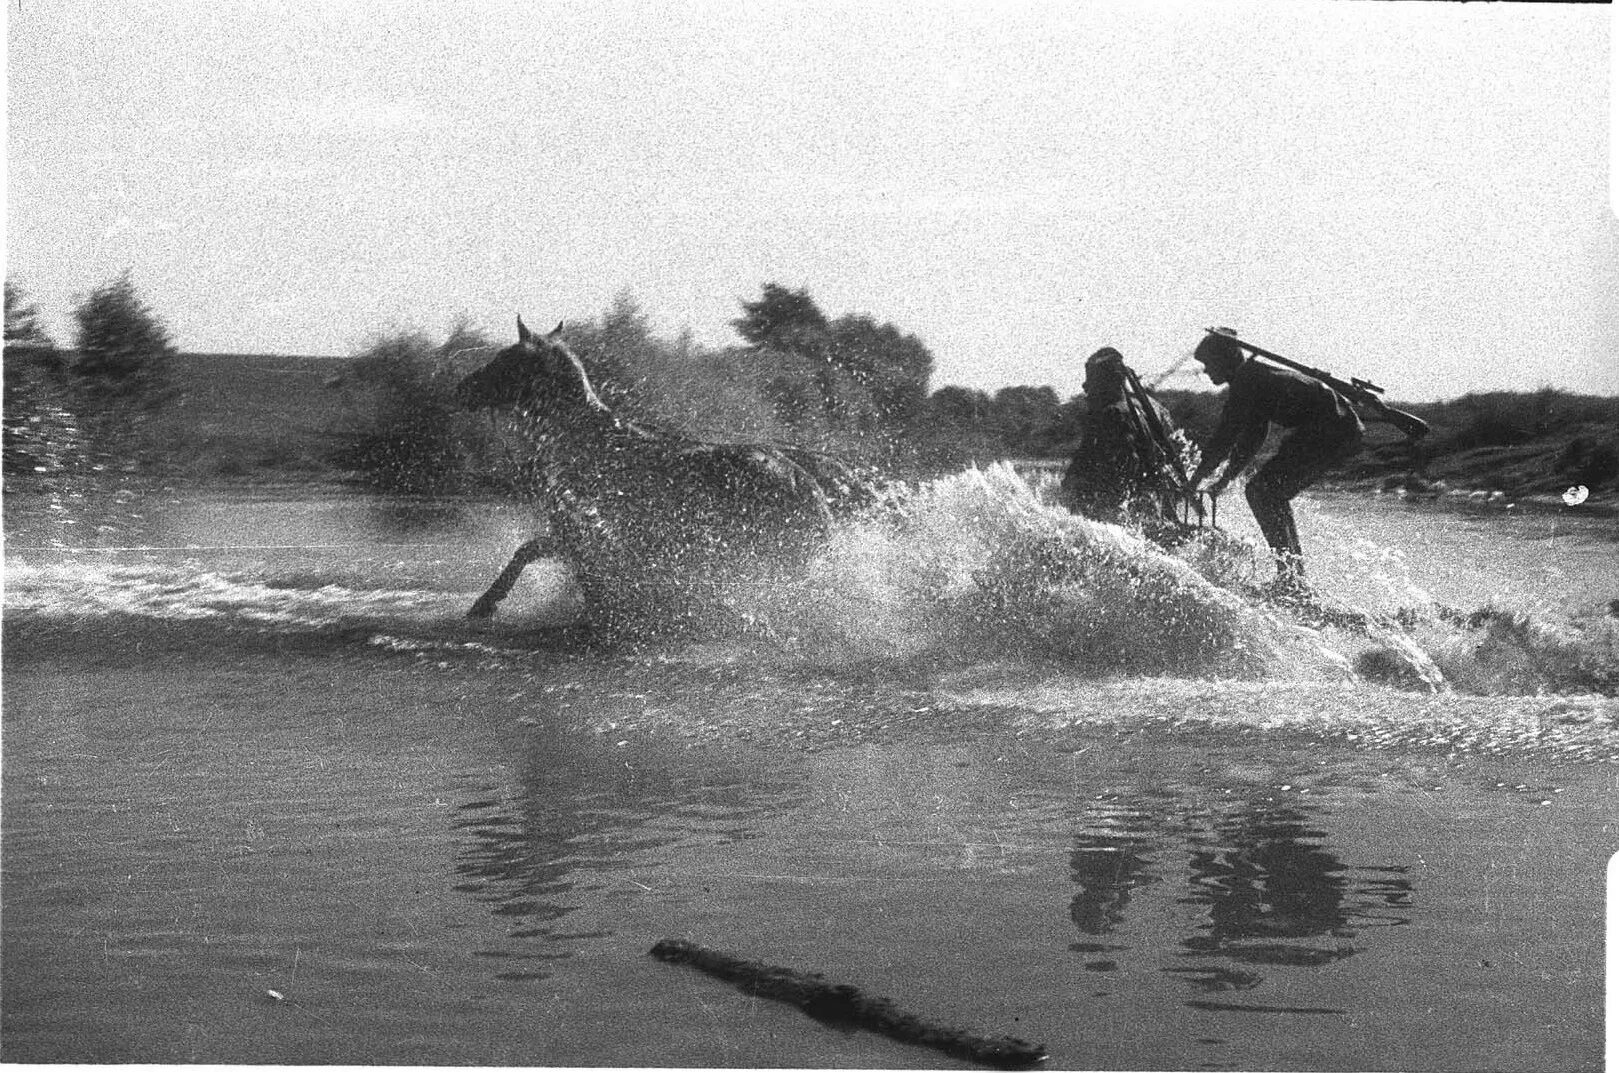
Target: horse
x,y
650,520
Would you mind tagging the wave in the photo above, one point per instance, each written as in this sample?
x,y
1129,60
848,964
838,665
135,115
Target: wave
x,y
979,564
1502,651
975,567
188,592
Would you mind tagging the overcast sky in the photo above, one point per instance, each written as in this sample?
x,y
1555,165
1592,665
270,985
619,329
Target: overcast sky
x,y
1412,192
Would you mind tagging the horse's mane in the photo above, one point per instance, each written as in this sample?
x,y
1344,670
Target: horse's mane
x,y
679,438
591,397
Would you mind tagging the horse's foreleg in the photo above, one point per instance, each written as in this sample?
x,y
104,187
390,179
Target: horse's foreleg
x,y
485,605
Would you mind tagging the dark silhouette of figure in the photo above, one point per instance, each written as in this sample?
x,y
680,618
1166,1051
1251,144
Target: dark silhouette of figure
x,y
1118,473
1323,430
1272,883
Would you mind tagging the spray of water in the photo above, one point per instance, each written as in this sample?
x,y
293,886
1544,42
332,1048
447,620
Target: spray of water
x,y
189,592
980,565
973,569
1502,651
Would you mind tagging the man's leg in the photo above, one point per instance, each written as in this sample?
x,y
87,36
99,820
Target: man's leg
x,y
1298,463
1274,514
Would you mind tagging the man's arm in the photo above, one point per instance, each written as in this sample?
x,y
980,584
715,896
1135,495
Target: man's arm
x,y
1225,436
1247,446
1238,438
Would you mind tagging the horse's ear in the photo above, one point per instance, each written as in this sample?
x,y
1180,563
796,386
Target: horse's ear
x,y
523,334
558,329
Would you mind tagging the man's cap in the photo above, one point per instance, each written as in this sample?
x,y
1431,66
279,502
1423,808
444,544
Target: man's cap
x,y
1220,343
1106,356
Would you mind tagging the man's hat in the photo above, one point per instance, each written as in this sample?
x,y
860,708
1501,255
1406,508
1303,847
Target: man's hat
x,y
1106,356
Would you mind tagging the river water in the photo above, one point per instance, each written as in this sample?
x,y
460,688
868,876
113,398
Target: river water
x,y
270,799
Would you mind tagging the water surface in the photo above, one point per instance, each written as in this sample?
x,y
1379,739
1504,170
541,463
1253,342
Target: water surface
x,y
269,799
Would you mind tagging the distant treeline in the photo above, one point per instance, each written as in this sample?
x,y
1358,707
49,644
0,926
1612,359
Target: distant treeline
x,y
850,384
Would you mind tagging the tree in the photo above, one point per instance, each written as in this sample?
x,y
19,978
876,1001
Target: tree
x,y
123,348
621,355
961,406
893,366
1025,415
788,331
22,321
784,319
1067,426
956,427
406,433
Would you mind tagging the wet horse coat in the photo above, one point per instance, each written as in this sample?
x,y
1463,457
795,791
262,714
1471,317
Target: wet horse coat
x,y
648,519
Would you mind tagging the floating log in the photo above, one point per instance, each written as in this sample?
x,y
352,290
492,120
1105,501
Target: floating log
x,y
845,1006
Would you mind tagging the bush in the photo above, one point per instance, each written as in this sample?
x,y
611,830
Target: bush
x,y
1588,462
406,434
1487,430
40,428
44,442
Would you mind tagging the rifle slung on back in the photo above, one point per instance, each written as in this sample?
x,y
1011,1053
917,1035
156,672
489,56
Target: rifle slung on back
x,y
1358,391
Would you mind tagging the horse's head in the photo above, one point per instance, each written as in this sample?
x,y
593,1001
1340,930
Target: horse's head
x,y
535,369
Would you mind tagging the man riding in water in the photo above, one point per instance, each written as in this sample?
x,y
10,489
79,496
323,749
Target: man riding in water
x,y
1323,430
1118,475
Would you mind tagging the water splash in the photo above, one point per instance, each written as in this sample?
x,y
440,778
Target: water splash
x,y
1502,651
980,565
973,569
188,592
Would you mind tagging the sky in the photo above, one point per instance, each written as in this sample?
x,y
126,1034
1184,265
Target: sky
x,y
1415,193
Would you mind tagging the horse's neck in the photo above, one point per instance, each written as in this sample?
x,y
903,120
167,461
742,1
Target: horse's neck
x,y
551,422
574,446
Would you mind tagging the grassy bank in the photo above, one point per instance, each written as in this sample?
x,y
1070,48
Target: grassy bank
x,y
256,417
1532,445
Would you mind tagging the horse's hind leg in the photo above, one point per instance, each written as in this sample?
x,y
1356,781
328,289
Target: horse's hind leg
x,y
485,605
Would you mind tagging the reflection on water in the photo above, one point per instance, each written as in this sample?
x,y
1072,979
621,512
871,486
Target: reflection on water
x,y
583,821
1182,886
1219,886
1271,885
1269,879
1268,889
527,872
1108,865
1252,896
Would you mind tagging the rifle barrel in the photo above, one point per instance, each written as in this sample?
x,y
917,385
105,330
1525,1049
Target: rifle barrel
x,y
1140,404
